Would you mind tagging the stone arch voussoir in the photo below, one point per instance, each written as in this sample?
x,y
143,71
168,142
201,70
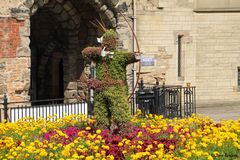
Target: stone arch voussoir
x,y
63,10
106,9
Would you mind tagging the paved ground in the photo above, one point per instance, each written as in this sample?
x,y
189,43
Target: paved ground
x,y
218,112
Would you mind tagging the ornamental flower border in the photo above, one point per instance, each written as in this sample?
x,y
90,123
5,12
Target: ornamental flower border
x,y
153,137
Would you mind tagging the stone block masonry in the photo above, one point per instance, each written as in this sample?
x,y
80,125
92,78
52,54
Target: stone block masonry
x,y
53,73
9,37
14,59
210,46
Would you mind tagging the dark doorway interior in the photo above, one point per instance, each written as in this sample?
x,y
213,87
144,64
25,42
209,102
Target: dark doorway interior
x,y
59,31
46,57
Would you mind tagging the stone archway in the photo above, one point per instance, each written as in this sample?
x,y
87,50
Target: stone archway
x,y
63,26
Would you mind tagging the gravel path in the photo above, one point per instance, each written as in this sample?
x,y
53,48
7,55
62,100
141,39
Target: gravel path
x,y
228,112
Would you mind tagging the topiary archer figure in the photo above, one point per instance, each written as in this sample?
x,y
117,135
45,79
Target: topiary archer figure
x,y
111,107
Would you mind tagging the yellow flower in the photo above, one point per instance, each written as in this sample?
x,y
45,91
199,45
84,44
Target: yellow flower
x,y
22,144
51,154
10,157
105,147
43,153
97,141
75,156
171,147
219,144
98,131
139,147
66,152
120,144
152,157
160,145
89,158
88,128
216,153
210,157
81,156
110,157
97,155
14,154
187,154
140,142
103,153
139,134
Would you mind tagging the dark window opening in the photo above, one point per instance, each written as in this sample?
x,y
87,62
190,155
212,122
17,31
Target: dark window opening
x,y
180,56
238,77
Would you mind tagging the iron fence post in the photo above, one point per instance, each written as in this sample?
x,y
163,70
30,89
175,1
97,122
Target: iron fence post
x,y
5,103
141,86
156,106
163,103
180,103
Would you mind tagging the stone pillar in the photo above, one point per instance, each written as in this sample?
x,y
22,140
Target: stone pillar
x,y
70,78
126,37
15,57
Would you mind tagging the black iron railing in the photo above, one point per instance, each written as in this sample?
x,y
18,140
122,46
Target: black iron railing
x,y
170,101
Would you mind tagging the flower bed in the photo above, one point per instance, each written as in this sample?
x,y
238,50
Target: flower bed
x,y
153,137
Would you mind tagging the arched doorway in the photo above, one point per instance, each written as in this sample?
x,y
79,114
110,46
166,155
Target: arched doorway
x,y
60,29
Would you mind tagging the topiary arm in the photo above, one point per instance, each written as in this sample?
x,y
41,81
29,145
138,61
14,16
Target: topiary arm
x,y
131,58
92,53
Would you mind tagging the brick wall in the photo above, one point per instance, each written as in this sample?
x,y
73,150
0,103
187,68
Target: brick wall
x,y
9,37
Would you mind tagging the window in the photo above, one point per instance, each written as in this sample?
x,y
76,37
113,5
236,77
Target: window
x,y
238,77
180,56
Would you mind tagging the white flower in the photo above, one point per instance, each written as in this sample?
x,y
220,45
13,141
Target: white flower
x,y
100,40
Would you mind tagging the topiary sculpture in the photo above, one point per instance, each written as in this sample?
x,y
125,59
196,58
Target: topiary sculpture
x,y
111,107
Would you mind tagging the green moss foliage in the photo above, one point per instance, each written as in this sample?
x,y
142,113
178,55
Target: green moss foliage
x,y
110,40
117,66
99,70
111,107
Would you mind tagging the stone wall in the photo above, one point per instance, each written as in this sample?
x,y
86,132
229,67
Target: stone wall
x,y
159,23
14,58
210,47
74,19
218,55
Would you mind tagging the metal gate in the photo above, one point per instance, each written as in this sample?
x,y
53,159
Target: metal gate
x,y
170,101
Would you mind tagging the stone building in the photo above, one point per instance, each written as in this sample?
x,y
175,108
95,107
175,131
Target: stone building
x,y
183,41
196,41
41,43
